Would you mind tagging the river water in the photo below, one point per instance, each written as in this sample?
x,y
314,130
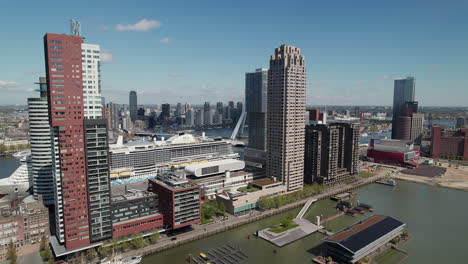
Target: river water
x,y
436,218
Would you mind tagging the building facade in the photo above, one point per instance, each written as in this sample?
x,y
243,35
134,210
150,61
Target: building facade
x,y
449,143
256,98
41,147
285,116
91,73
331,152
179,200
66,115
97,172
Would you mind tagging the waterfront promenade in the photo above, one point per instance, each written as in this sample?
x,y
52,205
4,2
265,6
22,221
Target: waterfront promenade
x,y
203,231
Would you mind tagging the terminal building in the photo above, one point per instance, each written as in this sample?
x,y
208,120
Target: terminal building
x,y
142,160
393,151
358,241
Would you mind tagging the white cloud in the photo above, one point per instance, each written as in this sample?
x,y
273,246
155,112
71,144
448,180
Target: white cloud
x,y
386,77
103,27
6,85
106,56
175,74
166,40
142,25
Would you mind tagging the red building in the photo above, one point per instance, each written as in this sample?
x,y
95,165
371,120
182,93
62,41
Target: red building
x,y
392,151
65,98
449,144
179,200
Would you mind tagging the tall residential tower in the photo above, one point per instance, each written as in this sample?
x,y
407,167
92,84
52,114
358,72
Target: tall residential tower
x,y
285,116
133,105
256,93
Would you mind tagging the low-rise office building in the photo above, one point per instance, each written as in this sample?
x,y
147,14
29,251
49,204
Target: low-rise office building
x,y
179,199
134,209
238,202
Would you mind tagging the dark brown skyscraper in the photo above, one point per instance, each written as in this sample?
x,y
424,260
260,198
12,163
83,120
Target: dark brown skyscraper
x,y
286,116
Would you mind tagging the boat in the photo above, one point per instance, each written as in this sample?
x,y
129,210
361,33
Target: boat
x,y
364,135
21,154
119,259
19,181
389,182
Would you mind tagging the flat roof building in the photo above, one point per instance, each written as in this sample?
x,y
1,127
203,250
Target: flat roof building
x,y
359,240
179,199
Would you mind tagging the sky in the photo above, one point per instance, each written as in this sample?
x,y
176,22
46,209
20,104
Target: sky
x,y
197,51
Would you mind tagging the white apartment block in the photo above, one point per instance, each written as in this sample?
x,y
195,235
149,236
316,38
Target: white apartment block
x,y
91,72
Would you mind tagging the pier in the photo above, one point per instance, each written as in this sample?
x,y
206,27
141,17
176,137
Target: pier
x,y
225,254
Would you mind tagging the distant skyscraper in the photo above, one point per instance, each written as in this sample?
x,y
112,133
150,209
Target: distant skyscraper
x,y
256,93
199,116
133,105
239,107
208,117
114,116
231,104
165,111
190,118
206,107
404,91
179,110
220,108
285,116
461,122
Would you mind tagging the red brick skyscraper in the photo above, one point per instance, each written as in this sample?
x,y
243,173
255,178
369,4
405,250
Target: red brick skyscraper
x,y
286,116
64,81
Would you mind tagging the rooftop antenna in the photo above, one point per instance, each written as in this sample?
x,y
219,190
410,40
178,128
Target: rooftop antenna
x,y
75,28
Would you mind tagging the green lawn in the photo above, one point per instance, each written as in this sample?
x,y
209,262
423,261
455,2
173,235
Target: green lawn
x,y
280,228
391,256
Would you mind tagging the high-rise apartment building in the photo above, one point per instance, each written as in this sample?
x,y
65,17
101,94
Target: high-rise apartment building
x,y
331,152
133,105
179,111
220,108
41,147
91,73
285,116
256,93
97,172
199,118
404,91
63,60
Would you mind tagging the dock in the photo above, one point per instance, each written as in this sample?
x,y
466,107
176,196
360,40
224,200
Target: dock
x,y
225,254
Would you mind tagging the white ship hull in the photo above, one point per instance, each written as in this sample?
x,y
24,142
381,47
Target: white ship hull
x,y
18,183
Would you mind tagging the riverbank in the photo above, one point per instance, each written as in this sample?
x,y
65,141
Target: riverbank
x,y
204,231
454,178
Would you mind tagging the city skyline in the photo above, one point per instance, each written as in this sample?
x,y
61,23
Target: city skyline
x,y
149,43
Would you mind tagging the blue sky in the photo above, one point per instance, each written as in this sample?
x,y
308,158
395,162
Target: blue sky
x,y
197,51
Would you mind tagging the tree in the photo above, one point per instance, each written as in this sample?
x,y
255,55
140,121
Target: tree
x,y
3,148
46,254
43,243
137,241
91,254
154,237
11,253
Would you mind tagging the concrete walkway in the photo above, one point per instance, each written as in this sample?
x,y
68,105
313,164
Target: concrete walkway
x,y
304,229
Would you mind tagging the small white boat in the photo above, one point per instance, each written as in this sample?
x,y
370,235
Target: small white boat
x,y
364,135
21,154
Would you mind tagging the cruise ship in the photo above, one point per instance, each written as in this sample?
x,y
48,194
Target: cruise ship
x,y
19,181
143,159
